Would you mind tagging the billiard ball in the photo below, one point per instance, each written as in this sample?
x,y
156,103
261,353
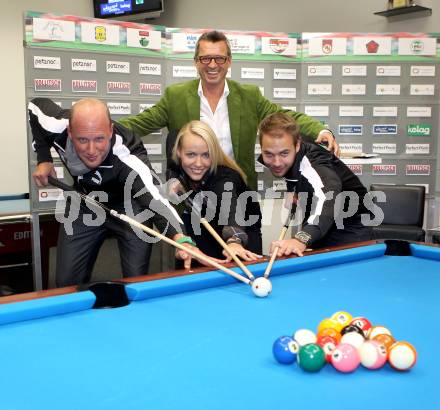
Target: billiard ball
x,y
353,338
373,354
345,358
304,337
352,328
386,340
285,349
402,356
361,322
311,357
261,287
329,323
328,344
330,332
344,318
378,330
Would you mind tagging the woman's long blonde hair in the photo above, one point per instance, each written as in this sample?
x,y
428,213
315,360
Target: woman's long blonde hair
x,y
216,154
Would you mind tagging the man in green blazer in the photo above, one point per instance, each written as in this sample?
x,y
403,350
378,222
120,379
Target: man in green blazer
x,y
233,110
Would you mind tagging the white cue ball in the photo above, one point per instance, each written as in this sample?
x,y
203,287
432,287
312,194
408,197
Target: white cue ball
x,y
261,287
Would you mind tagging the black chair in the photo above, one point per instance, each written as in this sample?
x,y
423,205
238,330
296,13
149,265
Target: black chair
x,y
403,212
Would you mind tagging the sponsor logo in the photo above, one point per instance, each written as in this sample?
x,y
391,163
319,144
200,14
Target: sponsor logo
x,y
418,111
356,168
49,29
417,149
51,63
256,73
100,33
143,107
327,46
372,47
85,86
184,71
287,93
278,45
150,69
384,148
419,130
417,46
351,111
385,129
350,147
118,87
384,111
79,64
350,129
118,67
47,84
418,169
191,40
284,74
390,169
150,89
144,38
119,108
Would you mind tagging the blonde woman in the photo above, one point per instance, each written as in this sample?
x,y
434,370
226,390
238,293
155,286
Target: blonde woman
x,y
232,208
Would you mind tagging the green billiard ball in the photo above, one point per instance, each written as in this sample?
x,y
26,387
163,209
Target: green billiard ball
x,y
311,357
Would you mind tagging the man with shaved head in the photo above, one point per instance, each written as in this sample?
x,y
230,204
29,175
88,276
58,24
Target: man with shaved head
x,y
106,159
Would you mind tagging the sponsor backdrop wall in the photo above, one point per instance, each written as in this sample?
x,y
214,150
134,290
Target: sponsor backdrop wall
x,y
377,92
316,16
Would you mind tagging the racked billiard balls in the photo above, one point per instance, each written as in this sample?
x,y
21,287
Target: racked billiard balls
x,y
386,340
304,337
311,357
363,323
402,356
285,349
378,330
328,344
329,323
352,328
328,331
344,318
373,354
353,338
345,358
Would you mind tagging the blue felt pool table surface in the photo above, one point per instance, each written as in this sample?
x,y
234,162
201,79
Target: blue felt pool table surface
x,y
204,341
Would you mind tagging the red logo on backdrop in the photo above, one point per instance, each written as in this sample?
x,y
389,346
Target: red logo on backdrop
x,y
89,86
278,45
150,89
144,38
418,169
372,47
47,84
118,87
356,168
384,169
327,46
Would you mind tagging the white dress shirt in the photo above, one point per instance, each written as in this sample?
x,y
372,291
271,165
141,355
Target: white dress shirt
x,y
218,120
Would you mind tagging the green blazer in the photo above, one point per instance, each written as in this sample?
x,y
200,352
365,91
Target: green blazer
x,y
246,106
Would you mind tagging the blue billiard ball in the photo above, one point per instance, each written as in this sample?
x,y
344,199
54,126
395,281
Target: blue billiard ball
x,y
285,349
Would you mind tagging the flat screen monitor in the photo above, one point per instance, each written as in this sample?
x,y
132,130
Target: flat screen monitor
x,y
129,10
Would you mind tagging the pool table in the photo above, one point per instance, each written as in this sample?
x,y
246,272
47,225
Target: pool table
x,y
204,341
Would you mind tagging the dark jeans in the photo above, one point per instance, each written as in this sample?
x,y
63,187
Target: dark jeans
x,y
354,231
77,253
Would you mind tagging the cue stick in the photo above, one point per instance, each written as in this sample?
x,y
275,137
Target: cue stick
x,y
57,183
275,251
190,204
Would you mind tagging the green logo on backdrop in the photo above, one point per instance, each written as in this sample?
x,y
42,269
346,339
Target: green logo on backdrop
x,y
419,130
